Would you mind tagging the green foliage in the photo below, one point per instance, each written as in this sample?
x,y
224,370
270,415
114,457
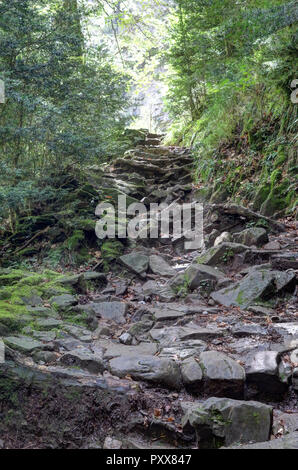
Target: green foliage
x,y
66,103
231,67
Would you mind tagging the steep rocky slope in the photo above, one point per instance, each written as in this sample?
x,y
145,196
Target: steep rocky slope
x,y
149,345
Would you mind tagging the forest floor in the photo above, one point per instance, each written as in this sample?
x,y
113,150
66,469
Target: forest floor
x,y
181,349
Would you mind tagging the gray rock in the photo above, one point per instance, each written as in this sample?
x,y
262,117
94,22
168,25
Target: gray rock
x,y
63,302
45,336
191,373
49,323
253,287
43,312
251,236
45,356
221,254
294,357
113,311
112,443
168,335
285,423
248,329
163,314
183,350
262,370
219,421
125,338
78,332
285,280
272,246
84,359
113,350
263,311
287,329
223,237
197,274
159,266
80,281
23,344
150,288
140,328
289,441
222,375
33,301
148,368
136,262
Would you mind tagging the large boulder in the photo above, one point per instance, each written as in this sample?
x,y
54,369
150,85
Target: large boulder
x,y
222,375
148,368
257,285
223,421
197,275
168,336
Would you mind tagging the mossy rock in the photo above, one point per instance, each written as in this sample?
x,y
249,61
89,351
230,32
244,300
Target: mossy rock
x,y
19,287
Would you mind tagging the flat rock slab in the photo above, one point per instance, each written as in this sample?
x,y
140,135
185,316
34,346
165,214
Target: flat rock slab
x,y
219,421
200,273
148,368
42,312
84,359
136,262
287,329
248,329
159,266
183,350
63,302
169,335
45,336
78,332
255,286
162,314
23,344
113,311
223,376
289,441
113,350
49,323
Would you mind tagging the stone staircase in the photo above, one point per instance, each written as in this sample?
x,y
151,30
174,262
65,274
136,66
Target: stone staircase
x,y
159,363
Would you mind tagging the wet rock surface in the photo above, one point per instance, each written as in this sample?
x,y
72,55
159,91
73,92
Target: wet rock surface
x,y
171,348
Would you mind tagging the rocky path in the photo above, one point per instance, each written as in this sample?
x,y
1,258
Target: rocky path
x,y
183,349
